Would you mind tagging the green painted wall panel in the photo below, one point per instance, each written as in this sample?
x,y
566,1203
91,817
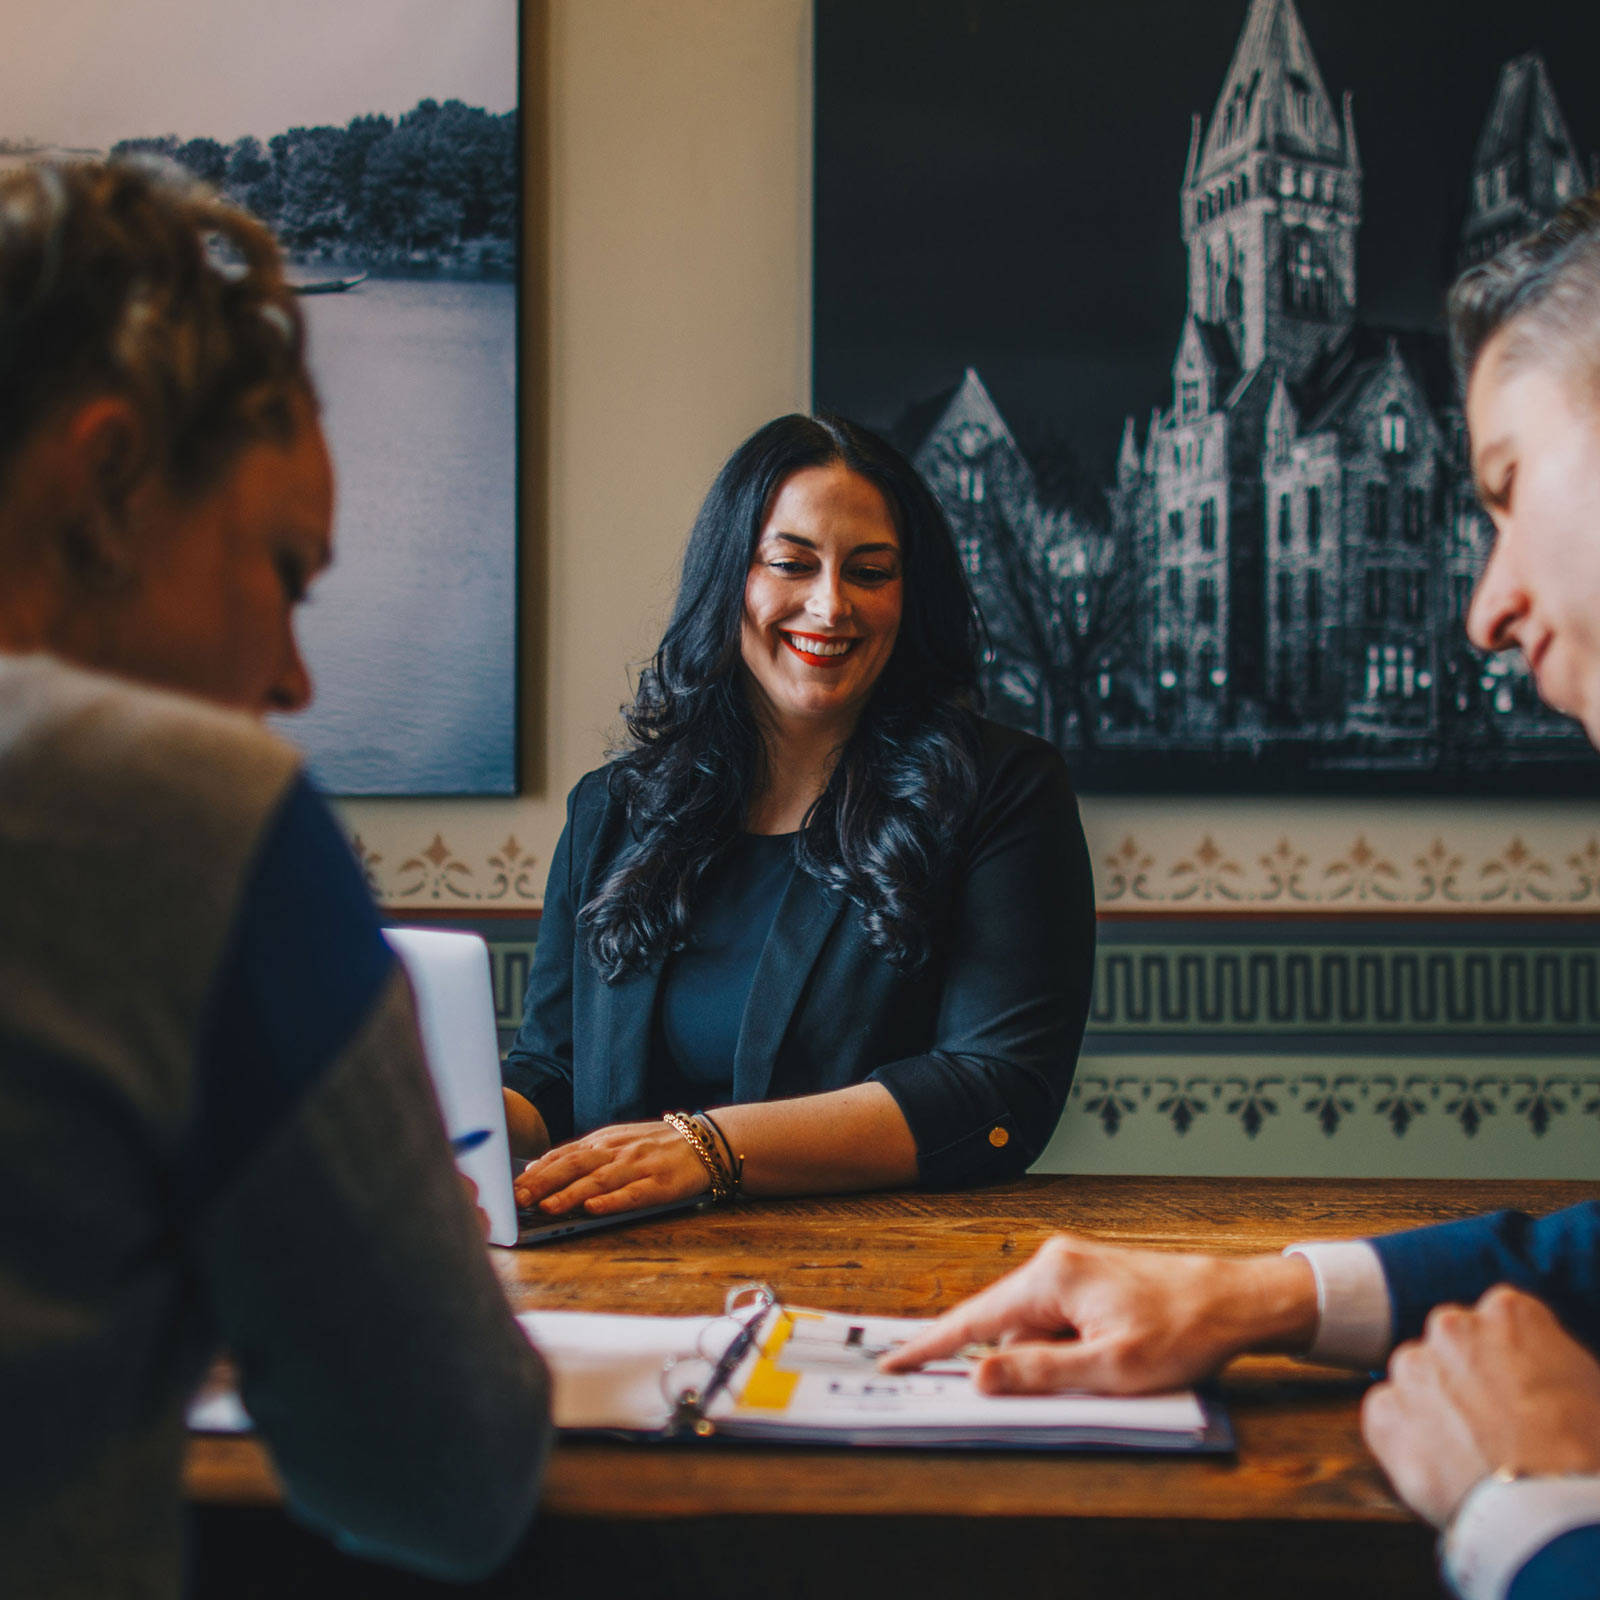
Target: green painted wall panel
x,y
1447,1048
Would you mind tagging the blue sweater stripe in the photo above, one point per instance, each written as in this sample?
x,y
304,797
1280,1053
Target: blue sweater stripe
x,y
304,965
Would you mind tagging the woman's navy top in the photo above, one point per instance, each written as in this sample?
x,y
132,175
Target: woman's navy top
x,y
704,987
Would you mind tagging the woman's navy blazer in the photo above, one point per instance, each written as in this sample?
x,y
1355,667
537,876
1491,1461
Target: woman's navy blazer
x,y
978,1048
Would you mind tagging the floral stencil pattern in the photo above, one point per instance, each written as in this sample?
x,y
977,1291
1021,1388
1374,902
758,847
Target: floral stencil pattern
x,y
1362,874
1345,1104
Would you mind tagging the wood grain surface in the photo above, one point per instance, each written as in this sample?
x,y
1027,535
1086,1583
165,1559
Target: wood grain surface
x,y
1300,1456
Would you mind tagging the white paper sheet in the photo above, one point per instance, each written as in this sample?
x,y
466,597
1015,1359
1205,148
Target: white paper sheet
x,y
819,1370
609,1371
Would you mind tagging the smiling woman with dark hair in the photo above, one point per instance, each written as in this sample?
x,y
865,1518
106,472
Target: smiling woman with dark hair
x,y
816,892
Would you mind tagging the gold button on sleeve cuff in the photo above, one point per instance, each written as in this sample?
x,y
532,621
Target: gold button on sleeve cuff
x,y
999,1137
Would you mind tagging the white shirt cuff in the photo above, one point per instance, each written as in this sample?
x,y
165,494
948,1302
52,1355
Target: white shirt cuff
x,y
1503,1524
1355,1320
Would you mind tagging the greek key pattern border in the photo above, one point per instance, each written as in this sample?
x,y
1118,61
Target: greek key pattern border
x,y
1154,989
1195,996
510,961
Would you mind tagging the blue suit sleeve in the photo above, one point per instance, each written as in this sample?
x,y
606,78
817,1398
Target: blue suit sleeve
x,y
1568,1568
538,1065
1556,1258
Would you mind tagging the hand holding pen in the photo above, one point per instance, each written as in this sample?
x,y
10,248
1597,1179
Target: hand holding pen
x,y
461,1145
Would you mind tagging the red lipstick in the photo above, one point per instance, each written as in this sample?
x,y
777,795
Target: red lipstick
x,y
789,635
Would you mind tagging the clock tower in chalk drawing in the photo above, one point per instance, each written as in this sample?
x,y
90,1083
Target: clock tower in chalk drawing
x,y
1272,200
1270,208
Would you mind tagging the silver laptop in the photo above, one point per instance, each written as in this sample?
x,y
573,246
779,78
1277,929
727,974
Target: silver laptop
x,y
449,975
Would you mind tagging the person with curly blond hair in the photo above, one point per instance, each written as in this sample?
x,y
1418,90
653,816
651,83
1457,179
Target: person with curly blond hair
x,y
216,1125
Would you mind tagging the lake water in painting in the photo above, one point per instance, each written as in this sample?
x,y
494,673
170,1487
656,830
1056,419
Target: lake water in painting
x,y
411,637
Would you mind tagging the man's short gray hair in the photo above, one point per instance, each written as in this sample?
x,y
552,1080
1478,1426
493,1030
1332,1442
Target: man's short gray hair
x,y
1545,290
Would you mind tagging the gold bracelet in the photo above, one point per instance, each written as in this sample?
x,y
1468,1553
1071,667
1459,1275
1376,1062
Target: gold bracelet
x,y
721,1187
713,1147
735,1162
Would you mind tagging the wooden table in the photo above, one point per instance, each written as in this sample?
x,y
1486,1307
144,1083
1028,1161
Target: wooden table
x,y
1302,1507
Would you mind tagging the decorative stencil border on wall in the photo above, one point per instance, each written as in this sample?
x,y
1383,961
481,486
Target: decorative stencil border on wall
x,y
1290,876
1300,1116
1459,991
1149,856
436,876
1504,872
1327,1047
1340,1047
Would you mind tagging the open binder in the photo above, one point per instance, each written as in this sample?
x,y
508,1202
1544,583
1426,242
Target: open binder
x,y
776,1374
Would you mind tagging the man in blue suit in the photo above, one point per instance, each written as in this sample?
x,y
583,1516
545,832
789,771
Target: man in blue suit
x,y
1488,1423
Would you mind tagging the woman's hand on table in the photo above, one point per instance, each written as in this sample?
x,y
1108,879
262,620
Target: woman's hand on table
x,y
1086,1315
620,1168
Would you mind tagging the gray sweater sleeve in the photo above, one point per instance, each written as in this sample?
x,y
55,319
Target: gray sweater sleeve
x,y
406,1412
217,1123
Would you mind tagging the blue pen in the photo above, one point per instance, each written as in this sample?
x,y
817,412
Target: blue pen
x,y
463,1142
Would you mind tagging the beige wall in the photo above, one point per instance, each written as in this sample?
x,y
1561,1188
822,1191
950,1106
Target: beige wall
x,y
678,260
677,269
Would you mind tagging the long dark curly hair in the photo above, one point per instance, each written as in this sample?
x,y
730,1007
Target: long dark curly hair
x,y
695,758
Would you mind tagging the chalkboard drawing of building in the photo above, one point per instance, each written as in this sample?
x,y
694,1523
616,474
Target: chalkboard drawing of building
x,y
1526,167
1280,582
1058,592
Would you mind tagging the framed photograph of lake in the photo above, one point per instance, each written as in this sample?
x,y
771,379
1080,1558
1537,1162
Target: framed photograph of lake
x,y
379,140
1152,292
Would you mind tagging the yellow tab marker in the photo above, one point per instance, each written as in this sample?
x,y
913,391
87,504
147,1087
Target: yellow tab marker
x,y
768,1387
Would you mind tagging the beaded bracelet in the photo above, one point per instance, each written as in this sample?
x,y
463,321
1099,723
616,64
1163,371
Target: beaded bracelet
x,y
735,1162
721,1183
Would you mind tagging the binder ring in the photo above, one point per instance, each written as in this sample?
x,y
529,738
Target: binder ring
x,y
690,1383
683,1381
749,1301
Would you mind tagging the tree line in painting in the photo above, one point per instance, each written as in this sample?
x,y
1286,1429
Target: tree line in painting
x,y
435,190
